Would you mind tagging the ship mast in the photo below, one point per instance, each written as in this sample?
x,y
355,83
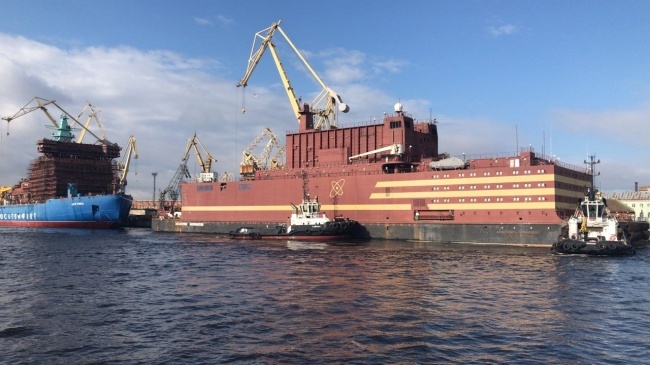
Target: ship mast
x,y
592,169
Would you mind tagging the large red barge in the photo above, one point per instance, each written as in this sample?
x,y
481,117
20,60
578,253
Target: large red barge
x,y
391,178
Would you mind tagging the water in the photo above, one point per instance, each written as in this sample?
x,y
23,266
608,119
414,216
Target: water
x,y
138,297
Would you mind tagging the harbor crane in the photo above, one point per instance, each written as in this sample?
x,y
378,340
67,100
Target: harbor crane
x,y
327,114
172,192
92,114
122,167
252,163
206,174
39,103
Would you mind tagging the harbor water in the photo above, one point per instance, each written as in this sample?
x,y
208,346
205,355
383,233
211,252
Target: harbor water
x,y
137,297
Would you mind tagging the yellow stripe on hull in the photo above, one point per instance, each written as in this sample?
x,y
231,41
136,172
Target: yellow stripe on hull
x,y
478,180
502,206
463,193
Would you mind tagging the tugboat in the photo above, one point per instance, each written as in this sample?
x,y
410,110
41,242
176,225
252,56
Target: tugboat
x,y
593,230
307,223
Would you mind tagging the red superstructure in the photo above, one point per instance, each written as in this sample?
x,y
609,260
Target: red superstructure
x,y
390,178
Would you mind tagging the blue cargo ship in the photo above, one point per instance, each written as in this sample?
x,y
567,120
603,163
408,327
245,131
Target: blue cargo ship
x,y
71,185
100,211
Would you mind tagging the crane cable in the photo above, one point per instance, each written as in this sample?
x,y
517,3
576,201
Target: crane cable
x,y
243,100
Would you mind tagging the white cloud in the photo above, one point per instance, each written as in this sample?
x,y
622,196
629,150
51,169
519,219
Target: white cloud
x,y
159,97
220,19
224,20
202,21
506,29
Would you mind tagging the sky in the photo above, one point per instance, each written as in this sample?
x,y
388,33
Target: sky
x,y
569,78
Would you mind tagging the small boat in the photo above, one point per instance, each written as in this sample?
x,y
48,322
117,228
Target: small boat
x,y
593,230
307,223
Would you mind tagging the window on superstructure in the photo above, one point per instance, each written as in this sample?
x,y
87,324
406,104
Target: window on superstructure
x,y
472,187
446,188
461,175
472,174
396,124
515,172
486,173
499,173
516,199
461,200
515,185
499,199
499,186
486,199
461,187
486,186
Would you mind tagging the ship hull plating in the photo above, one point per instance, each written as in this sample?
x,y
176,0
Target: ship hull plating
x,y
521,234
99,212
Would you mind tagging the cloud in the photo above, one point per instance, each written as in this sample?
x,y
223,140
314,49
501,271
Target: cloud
x,y
506,29
220,19
224,20
159,97
608,125
202,21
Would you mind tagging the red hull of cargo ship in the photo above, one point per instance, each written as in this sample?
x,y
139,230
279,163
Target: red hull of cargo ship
x,y
390,178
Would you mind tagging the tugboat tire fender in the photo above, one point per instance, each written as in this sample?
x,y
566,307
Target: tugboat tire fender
x,y
601,246
612,246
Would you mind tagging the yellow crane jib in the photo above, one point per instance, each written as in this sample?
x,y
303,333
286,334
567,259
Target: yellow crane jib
x,y
326,113
206,174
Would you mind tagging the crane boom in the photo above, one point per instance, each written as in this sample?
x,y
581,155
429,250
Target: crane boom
x,y
206,165
125,162
92,114
252,163
326,115
41,104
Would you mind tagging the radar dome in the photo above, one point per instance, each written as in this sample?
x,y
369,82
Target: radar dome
x,y
398,107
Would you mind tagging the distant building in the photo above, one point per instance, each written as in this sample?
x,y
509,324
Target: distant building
x,y
639,201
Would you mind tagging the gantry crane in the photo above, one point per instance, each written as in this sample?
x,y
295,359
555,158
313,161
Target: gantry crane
x,y
206,174
327,114
41,104
252,163
122,167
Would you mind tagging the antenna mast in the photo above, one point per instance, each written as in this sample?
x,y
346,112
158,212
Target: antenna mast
x,y
592,168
